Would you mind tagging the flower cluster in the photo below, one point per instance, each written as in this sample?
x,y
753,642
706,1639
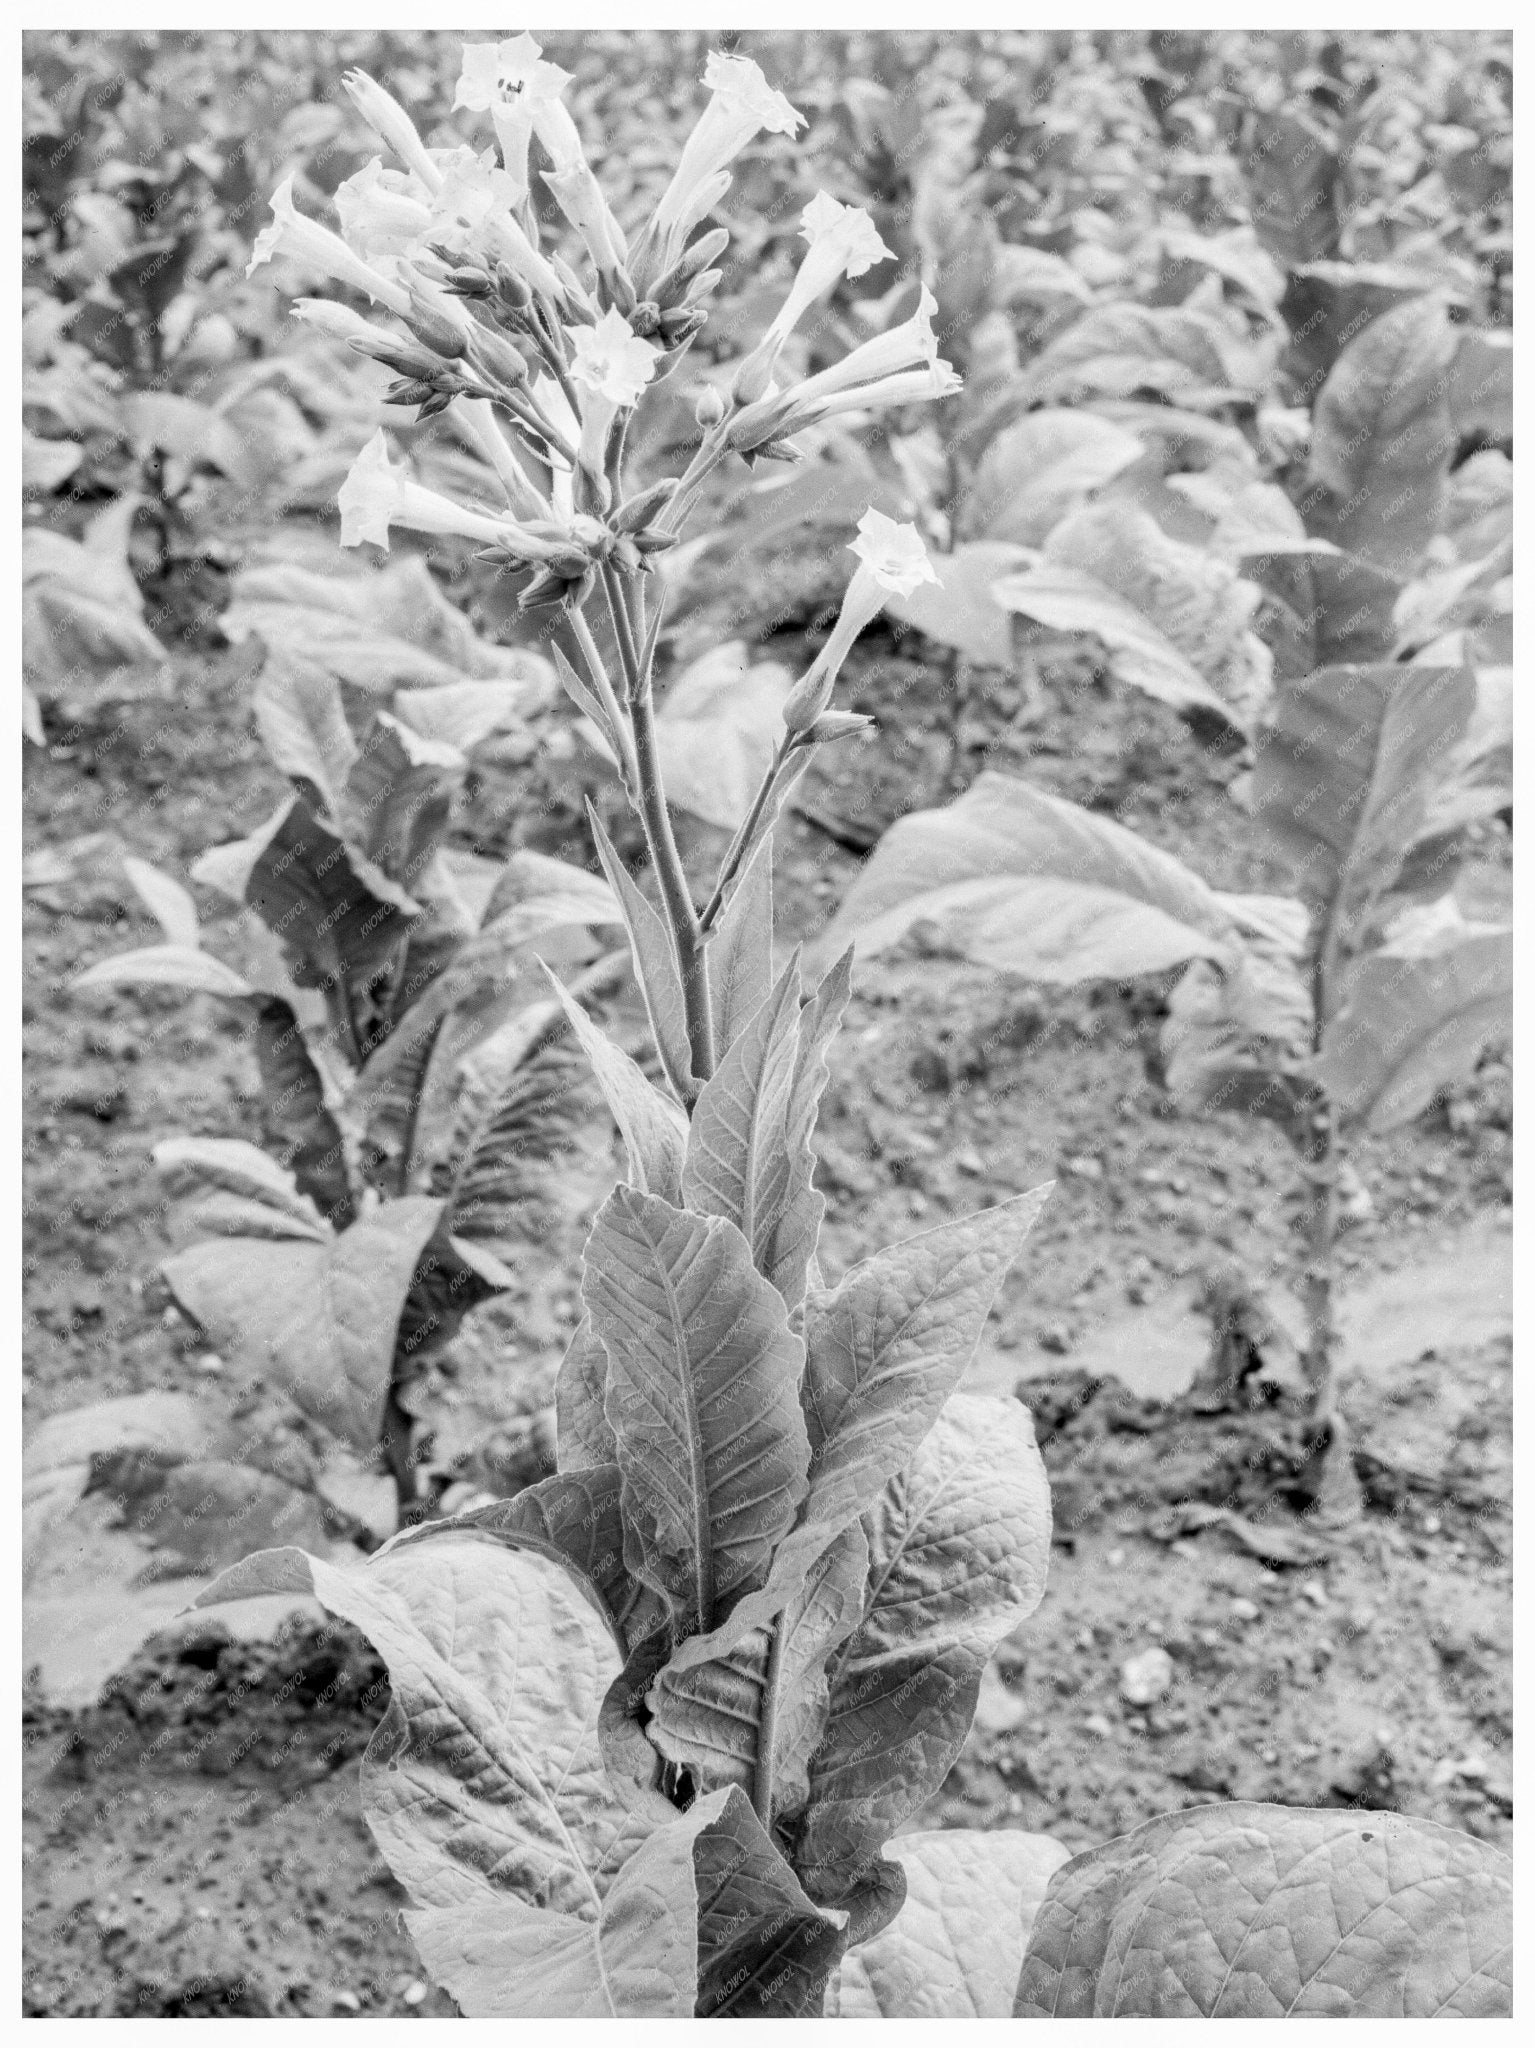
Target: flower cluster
x,y
542,340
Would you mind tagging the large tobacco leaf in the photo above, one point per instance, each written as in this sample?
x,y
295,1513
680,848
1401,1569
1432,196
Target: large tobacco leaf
x,y
1019,880
955,1948
1041,468
1412,1025
701,1396
1382,439
1346,770
885,1350
1249,1911
959,1544
313,1314
534,1892
654,1129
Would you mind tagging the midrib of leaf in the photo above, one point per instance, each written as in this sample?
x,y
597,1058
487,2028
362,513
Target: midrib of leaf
x,y
1325,1843
1418,1884
877,1586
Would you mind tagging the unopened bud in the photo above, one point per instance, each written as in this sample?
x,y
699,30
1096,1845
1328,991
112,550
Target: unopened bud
x,y
434,328
809,698
645,320
753,378
499,357
710,409
641,509
652,540
835,725
467,284
409,391
511,289
700,257
682,324
701,287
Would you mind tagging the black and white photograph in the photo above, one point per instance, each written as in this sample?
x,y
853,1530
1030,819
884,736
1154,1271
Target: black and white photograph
x,y
767,989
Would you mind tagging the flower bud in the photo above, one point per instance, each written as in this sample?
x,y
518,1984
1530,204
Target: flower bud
x,y
652,540
403,357
646,319
638,511
434,328
834,725
490,352
511,289
467,284
710,409
753,378
700,257
809,697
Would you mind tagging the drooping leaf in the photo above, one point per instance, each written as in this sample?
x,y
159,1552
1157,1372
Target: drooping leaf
x,y
885,1351
655,964
317,1320
1410,1026
523,1128
303,727
171,905
1034,885
1041,468
241,1169
764,1951
740,954
1235,1039
702,1398
655,1131
955,1948
1381,438
1246,1911
1346,770
1068,600
298,1124
959,1545
166,966
399,792
961,610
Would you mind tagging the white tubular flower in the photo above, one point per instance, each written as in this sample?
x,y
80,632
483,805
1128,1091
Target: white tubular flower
x,y
844,242
909,387
477,201
305,241
913,345
341,324
580,200
483,430
892,561
524,98
392,125
611,361
380,217
742,104
378,495
897,368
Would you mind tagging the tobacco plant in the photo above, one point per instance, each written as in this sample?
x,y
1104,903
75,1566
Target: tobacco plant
x,y
658,1719
404,1041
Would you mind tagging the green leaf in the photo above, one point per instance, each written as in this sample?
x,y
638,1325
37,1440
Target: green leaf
x,y
740,954
764,1951
1408,1027
170,905
1034,885
242,1169
702,1397
297,1122
655,964
959,1544
167,966
1381,438
303,727
399,792
1041,468
1347,768
885,1351
1068,600
792,1258
738,1163
583,1433
461,715
317,1320
961,610
655,1131
955,1948
1259,1912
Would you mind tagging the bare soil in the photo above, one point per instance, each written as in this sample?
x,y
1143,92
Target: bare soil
x,y
194,1842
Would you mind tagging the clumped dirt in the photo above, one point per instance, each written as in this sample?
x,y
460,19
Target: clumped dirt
x,y
194,1843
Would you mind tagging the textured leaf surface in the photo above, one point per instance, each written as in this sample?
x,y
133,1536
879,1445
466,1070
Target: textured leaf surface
x,y
1347,768
1069,600
1409,1027
959,1545
702,1398
1035,885
584,1434
1382,439
740,954
738,1164
655,963
1257,1912
318,1320
884,1352
956,1946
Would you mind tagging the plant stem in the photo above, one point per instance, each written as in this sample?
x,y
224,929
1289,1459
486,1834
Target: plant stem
x,y
745,839
767,1727
1320,1168
597,672
687,936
